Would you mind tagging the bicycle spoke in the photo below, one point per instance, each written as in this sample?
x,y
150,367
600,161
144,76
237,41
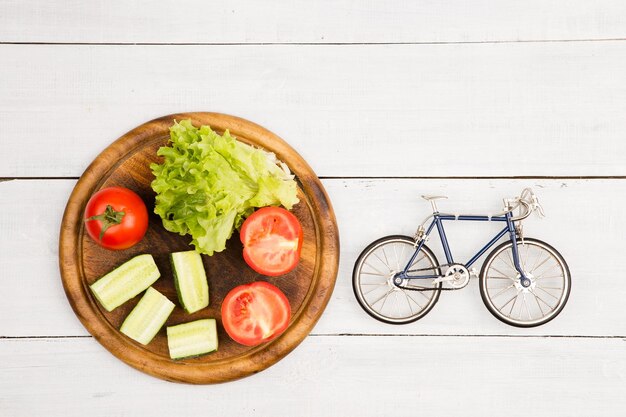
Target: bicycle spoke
x,y
498,271
548,269
384,297
550,277
506,263
549,288
402,254
502,291
556,298
511,261
525,259
538,305
374,289
527,309
375,269
385,256
414,301
395,252
542,300
500,278
408,302
542,262
397,304
423,295
383,262
511,299
373,273
532,268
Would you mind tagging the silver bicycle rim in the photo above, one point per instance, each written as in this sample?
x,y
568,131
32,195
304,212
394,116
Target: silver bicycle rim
x,y
376,291
537,304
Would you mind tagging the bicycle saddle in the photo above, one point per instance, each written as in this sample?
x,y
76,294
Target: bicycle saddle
x,y
434,197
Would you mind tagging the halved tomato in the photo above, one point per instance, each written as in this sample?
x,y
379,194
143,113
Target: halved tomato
x,y
272,241
255,313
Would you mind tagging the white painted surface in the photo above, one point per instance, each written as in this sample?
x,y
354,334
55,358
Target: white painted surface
x,y
596,306
333,376
553,108
351,110
323,21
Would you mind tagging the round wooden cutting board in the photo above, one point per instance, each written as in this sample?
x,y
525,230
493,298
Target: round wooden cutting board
x,y
126,163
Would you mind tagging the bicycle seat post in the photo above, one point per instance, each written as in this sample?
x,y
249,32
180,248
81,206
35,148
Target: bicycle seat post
x,y
432,200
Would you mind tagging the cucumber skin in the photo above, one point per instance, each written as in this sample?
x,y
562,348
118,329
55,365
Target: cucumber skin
x,y
199,354
110,308
164,299
178,293
177,285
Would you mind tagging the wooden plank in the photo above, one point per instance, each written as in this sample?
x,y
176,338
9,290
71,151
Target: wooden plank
x,y
326,21
365,376
30,214
525,109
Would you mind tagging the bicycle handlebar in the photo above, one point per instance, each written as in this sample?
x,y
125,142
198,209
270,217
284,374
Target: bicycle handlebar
x,y
528,202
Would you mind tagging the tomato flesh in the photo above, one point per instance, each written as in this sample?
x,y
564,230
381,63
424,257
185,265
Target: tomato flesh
x,y
255,313
272,240
133,223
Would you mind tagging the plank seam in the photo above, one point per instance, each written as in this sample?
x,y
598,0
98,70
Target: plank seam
x,y
312,43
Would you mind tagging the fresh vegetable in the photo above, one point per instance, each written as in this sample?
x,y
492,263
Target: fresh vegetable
x,y
272,241
255,313
208,183
190,280
116,218
148,316
192,339
125,281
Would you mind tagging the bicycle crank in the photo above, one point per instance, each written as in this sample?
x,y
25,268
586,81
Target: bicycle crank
x,y
457,276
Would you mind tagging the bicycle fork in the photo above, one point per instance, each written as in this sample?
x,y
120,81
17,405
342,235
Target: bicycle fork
x,y
524,280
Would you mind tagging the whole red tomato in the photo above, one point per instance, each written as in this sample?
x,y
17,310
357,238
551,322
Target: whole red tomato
x,y
116,218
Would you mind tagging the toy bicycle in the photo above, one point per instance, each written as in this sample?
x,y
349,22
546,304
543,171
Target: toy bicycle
x,y
524,282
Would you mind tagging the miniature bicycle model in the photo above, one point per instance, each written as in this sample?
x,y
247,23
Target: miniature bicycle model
x,y
524,282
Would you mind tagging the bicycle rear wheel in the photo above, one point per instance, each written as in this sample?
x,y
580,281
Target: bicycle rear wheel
x,y
372,281
519,306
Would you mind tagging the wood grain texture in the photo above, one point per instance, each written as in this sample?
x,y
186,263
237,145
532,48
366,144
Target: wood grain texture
x,y
545,109
324,21
126,163
29,253
333,376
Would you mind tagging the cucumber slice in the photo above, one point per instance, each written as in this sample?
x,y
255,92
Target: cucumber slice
x,y
190,280
125,281
195,338
148,316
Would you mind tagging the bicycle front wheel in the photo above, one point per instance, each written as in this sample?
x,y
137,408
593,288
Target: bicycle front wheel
x,y
516,305
372,280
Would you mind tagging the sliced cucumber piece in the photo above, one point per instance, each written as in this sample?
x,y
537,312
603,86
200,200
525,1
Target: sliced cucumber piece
x,y
192,339
190,280
125,281
148,316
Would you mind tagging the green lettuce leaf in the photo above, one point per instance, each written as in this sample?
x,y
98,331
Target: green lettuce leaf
x,y
209,183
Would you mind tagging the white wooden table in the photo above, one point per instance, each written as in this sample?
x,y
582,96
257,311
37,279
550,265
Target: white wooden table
x,y
386,100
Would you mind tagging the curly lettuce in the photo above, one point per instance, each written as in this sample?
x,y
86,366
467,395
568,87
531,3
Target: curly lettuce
x,y
209,183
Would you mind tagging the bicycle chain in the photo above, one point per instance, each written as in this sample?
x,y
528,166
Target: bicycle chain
x,y
423,289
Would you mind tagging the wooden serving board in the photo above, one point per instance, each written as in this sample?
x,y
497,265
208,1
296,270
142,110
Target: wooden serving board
x,y
126,163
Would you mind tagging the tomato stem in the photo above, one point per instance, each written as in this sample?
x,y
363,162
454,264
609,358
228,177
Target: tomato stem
x,y
109,218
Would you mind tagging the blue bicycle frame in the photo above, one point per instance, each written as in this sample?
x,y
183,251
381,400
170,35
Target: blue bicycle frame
x,y
438,219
